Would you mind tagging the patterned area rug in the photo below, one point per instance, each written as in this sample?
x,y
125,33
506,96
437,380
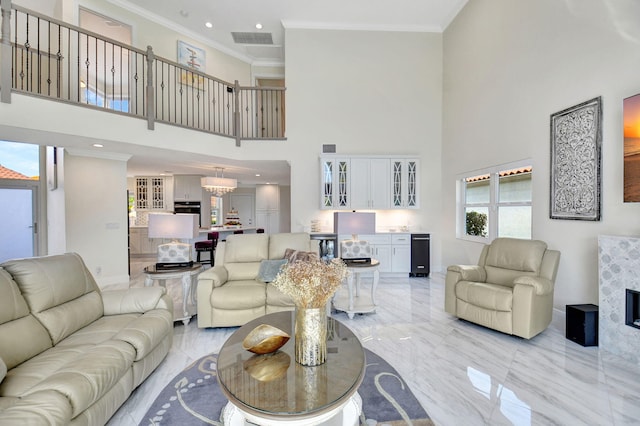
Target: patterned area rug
x,y
194,398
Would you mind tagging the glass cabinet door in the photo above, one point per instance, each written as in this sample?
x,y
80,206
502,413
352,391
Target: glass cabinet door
x,y
335,184
404,176
150,193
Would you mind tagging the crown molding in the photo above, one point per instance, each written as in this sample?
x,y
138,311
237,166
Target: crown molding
x,y
454,12
346,26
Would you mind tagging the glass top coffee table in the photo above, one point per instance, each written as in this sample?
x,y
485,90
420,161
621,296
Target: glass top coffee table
x,y
273,389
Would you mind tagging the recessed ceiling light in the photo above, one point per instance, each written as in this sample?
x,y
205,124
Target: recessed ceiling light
x,y
257,174
259,26
184,13
98,145
208,24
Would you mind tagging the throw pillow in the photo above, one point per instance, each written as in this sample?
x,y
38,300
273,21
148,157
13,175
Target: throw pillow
x,y
269,269
294,255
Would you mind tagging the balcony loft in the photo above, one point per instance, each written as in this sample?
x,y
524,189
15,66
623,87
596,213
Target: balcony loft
x,y
43,57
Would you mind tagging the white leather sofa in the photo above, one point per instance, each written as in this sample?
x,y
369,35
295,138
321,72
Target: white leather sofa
x,y
509,290
71,354
231,294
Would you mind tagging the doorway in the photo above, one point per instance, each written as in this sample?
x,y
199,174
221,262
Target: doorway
x,y
18,225
245,205
271,108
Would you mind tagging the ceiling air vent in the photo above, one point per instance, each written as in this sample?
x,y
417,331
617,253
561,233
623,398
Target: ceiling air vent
x,y
252,38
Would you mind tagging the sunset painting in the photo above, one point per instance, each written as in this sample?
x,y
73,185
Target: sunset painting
x,y
632,149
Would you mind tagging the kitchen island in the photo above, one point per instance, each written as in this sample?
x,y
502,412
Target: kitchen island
x,y
225,231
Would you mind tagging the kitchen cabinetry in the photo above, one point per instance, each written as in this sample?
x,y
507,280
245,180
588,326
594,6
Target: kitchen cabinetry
x,y
140,243
268,220
404,184
401,253
187,188
267,197
370,183
268,208
392,250
335,181
150,193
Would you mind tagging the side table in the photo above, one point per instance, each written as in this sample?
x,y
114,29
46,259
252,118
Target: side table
x,y
186,274
357,303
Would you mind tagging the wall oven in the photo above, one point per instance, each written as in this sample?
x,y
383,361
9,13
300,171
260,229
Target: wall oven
x,y
188,207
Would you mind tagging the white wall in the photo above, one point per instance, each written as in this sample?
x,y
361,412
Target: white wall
x,y
96,214
507,67
368,93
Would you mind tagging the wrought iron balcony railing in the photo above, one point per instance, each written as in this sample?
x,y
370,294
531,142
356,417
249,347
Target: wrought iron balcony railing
x,y
44,57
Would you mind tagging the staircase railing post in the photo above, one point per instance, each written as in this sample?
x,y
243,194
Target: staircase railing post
x,y
151,104
236,113
5,52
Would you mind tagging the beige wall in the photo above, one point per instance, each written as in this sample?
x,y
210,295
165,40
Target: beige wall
x,y
163,40
507,67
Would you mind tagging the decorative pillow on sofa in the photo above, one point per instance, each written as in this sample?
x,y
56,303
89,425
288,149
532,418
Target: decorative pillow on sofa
x,y
269,269
294,255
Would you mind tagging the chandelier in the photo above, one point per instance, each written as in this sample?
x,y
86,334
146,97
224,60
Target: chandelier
x,y
218,186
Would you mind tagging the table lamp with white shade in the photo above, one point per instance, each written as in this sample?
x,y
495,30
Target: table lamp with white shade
x,y
176,226
354,223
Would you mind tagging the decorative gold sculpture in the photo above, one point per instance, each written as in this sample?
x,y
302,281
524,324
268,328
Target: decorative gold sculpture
x,y
265,339
268,367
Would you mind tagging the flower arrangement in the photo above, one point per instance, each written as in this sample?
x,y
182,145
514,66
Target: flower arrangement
x,y
311,283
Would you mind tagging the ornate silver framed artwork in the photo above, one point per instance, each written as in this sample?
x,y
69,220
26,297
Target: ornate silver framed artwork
x,y
576,140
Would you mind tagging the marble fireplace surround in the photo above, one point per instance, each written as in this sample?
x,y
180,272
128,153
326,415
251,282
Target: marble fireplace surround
x,y
619,270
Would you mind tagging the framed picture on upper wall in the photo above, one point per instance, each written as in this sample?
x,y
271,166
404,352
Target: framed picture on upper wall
x,y
631,117
193,58
576,144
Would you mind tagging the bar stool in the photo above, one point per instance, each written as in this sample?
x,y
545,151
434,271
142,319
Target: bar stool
x,y
209,245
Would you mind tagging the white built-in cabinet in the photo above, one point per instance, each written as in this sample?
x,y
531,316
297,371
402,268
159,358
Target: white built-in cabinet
x,y
187,188
401,253
140,243
268,208
150,193
335,180
392,250
404,183
369,182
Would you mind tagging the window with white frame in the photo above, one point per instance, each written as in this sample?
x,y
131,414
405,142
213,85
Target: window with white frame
x,y
495,202
117,103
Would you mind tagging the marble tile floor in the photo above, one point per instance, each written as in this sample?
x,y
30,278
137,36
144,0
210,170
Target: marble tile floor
x,y
462,374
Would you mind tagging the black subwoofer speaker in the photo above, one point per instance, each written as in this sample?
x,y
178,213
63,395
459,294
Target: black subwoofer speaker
x,y
582,324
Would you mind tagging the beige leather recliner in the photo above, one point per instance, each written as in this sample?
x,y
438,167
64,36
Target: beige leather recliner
x,y
231,294
509,290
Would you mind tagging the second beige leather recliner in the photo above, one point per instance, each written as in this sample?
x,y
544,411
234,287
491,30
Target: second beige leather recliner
x,y
231,294
509,290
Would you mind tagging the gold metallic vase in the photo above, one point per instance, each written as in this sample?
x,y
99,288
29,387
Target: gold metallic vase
x,y
311,336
